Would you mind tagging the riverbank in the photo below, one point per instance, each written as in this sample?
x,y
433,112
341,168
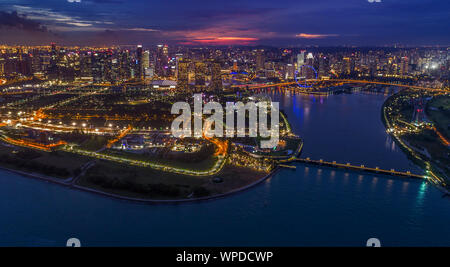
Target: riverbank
x,y
427,164
68,183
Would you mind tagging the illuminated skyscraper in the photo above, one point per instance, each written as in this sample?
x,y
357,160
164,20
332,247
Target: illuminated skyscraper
x,y
216,77
183,76
139,63
404,66
145,63
235,66
125,65
308,72
86,65
300,59
161,60
200,71
2,67
146,59
260,60
349,65
290,71
324,66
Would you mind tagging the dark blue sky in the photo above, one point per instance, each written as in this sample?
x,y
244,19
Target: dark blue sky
x,y
273,22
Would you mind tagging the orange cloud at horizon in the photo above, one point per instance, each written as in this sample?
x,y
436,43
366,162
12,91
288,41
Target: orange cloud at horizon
x,y
314,36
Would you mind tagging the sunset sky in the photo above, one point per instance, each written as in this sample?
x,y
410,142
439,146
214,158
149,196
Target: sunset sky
x,y
245,22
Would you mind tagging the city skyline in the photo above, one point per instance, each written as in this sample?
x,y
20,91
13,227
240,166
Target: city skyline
x,y
286,23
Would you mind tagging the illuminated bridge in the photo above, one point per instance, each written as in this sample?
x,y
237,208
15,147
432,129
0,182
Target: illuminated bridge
x,y
363,168
343,81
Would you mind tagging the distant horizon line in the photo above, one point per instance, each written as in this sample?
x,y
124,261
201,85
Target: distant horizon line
x,y
236,45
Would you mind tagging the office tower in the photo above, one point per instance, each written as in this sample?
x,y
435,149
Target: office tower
x,y
99,69
86,65
145,62
260,60
35,61
308,72
146,59
200,71
52,69
2,67
269,70
404,66
372,67
349,65
114,72
161,60
178,58
300,59
235,66
324,66
216,77
183,76
290,71
139,73
125,65
149,72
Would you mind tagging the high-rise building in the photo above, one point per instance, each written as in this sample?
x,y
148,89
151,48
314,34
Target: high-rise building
x,y
183,76
404,66
200,71
145,63
260,60
308,72
216,77
139,63
300,59
86,65
235,66
146,59
373,68
2,67
349,65
290,71
324,66
161,60
125,65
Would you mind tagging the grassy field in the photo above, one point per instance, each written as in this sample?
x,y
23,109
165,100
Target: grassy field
x,y
203,165
151,184
94,143
56,164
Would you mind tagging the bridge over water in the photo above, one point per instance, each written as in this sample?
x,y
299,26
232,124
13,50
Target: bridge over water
x,y
362,168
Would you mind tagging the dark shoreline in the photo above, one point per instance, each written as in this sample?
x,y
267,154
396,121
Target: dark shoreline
x,y
63,182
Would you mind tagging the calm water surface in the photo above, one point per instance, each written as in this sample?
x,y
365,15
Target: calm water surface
x,y
307,207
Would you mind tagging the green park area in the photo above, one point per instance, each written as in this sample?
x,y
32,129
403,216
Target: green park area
x,y
56,164
202,160
438,110
146,183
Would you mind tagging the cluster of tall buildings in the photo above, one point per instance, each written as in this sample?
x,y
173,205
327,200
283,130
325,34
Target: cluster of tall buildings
x,y
207,68
192,76
110,64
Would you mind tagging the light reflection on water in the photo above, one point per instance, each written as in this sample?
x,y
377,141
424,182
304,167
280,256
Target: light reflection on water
x,y
308,207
